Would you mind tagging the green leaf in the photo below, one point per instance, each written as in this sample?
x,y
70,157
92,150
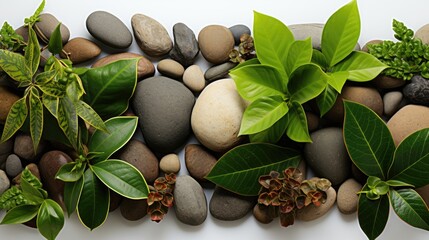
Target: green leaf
x,y
31,193
67,120
89,115
72,193
368,140
271,43
410,207
74,91
50,219
36,16
109,88
411,161
300,53
32,52
94,201
319,59
306,83
55,44
297,129
262,114
337,80
36,118
119,132
14,65
240,168
273,133
373,215
396,183
252,61
51,103
122,177
15,119
326,99
71,172
341,33
256,81
28,176
361,66
20,214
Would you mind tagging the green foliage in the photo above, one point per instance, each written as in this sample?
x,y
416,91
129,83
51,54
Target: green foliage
x,y
406,57
55,44
393,172
9,39
239,169
30,21
50,219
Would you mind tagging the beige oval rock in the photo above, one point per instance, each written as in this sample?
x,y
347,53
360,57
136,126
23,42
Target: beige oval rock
x,y
193,78
347,197
170,68
407,120
312,212
145,68
215,42
7,99
216,116
80,50
423,34
367,96
170,163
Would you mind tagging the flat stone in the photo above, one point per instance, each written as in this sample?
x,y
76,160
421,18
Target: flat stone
x,y
238,30
109,29
198,161
7,99
4,182
46,26
133,210
164,108
312,212
80,50
190,202
170,163
13,165
151,36
215,42
145,68
185,48
327,155
417,91
227,206
347,197
140,156
170,68
392,102
193,78
218,71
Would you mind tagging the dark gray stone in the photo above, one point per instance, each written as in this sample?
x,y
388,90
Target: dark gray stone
x,y
13,165
417,91
228,206
46,26
238,30
109,30
327,155
185,48
164,108
190,202
218,71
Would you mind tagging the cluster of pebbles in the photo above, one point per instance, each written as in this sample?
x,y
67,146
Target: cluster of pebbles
x,y
183,99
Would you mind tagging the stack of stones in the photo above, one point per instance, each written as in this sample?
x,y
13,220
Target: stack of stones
x,y
178,99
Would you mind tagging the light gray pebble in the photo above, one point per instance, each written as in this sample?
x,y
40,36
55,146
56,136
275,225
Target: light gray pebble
x,y
4,182
46,26
190,201
13,165
392,102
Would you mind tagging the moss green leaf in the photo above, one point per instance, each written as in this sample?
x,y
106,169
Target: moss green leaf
x,y
72,193
410,207
306,83
300,53
297,129
32,52
36,15
67,120
15,118
319,59
240,168
326,99
36,118
50,219
20,214
51,103
14,65
55,44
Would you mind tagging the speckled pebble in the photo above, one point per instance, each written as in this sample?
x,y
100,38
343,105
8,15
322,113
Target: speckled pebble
x,y
170,68
193,78
347,197
170,163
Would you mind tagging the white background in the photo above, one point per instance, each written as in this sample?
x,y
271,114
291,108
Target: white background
x,y
376,18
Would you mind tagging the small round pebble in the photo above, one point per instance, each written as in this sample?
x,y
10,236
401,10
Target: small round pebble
x,y
4,182
347,197
215,42
193,78
13,165
170,68
170,163
238,30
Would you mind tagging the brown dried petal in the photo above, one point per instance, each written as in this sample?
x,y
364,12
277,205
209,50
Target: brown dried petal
x,y
160,186
153,197
300,201
323,184
293,173
264,199
168,200
275,185
287,206
287,219
170,178
156,216
265,181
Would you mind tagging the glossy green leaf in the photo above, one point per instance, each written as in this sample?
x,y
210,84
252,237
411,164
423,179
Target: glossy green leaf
x,y
36,15
341,33
306,83
297,129
368,140
361,66
122,177
36,118
255,81
120,130
20,214
71,172
88,114
271,43
67,120
72,192
15,119
262,114
50,219
94,201
32,52
51,104
337,80
14,65
240,168
109,88
252,61
319,59
273,133
300,53
74,91
373,215
31,193
396,183
55,44
411,160
326,100
410,207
